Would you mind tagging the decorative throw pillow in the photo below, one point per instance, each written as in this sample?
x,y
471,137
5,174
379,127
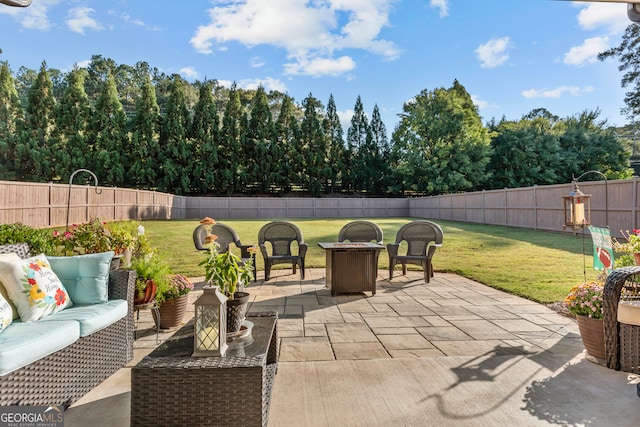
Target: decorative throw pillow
x,y
6,313
86,277
33,287
3,290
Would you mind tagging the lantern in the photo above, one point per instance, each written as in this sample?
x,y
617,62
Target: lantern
x,y
210,329
577,208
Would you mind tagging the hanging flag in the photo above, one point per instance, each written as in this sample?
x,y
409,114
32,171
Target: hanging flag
x,y
602,248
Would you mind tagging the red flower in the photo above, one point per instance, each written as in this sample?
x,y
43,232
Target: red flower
x,y
636,231
31,281
61,297
33,266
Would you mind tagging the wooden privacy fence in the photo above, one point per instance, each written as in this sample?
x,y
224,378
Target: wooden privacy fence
x,y
537,207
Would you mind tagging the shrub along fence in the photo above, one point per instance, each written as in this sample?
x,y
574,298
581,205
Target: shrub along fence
x,y
537,207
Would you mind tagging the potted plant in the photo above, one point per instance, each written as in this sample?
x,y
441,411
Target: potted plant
x,y
228,272
628,250
152,274
172,297
585,301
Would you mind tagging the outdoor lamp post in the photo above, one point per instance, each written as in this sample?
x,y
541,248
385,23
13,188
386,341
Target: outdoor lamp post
x,y
210,329
577,208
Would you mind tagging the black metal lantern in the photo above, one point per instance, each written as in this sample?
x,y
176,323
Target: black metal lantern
x,y
577,208
210,328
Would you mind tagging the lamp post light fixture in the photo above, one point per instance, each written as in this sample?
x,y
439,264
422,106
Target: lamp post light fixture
x,y
577,208
210,328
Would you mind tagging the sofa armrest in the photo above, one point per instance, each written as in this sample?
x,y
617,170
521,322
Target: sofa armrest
x,y
122,284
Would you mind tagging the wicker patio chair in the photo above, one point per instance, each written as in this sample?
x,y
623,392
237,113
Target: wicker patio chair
x,y
226,236
422,238
275,240
361,231
621,331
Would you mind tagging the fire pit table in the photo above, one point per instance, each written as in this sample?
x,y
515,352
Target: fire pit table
x,y
351,267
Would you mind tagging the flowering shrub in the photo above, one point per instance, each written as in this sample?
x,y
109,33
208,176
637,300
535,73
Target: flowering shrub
x,y
585,299
177,286
93,237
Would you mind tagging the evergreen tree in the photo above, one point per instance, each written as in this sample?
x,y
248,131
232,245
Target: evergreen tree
x,y
11,120
230,144
287,137
175,148
358,142
258,148
34,151
71,148
313,145
108,135
335,142
144,139
380,154
205,134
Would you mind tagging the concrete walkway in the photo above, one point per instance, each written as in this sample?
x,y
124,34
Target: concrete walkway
x,y
451,352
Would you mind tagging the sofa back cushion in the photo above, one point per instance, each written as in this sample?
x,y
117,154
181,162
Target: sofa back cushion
x,y
33,287
3,290
86,277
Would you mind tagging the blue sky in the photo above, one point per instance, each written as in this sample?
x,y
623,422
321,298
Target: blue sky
x,y
512,56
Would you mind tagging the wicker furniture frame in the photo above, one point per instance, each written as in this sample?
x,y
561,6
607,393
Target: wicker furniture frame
x,y
226,236
361,231
621,341
280,236
68,374
422,238
169,387
351,267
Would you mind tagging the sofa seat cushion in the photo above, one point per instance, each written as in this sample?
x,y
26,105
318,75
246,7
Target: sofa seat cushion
x,y
23,343
91,317
629,312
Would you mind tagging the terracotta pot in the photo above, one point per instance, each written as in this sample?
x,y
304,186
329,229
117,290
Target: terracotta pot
x,y
236,310
147,294
636,257
172,312
592,334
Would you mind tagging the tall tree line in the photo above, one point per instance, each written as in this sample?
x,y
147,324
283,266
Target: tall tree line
x,y
137,127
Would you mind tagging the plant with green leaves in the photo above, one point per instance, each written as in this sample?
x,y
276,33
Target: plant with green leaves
x,y
152,267
225,270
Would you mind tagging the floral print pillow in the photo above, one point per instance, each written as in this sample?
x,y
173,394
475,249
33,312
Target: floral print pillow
x,y
6,314
33,287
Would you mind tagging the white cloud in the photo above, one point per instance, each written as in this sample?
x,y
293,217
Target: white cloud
x,y
478,102
493,53
257,62
557,92
443,5
268,84
612,16
34,17
320,66
84,63
588,52
345,119
79,19
133,21
308,31
189,72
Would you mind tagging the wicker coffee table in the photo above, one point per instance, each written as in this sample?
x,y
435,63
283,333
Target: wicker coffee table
x,y
169,387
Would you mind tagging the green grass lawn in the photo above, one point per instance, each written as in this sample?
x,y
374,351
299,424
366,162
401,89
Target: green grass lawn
x,y
541,266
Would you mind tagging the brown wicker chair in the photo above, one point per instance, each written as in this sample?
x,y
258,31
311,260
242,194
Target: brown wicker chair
x,y
226,236
422,238
621,341
361,231
280,236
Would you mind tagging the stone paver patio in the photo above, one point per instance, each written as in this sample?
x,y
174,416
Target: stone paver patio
x,y
451,352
